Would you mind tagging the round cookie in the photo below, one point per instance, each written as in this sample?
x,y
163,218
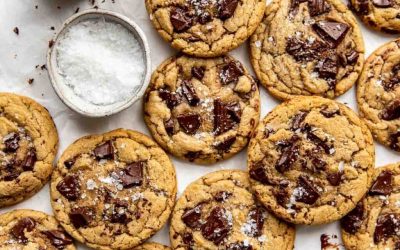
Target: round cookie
x,y
28,229
205,28
219,211
202,110
307,48
378,94
28,145
375,222
114,190
311,160
152,246
380,15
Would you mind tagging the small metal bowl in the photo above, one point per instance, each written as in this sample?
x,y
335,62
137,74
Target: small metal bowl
x,y
67,95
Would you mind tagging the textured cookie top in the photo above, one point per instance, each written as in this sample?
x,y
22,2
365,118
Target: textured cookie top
x,y
202,110
219,211
205,28
311,160
379,14
152,246
307,48
378,94
28,229
375,222
113,191
28,144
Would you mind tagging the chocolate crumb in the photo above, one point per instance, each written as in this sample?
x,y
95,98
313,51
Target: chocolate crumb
x,y
77,10
52,28
16,30
31,80
51,43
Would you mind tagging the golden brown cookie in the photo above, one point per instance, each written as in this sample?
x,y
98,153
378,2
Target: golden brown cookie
x,y
311,160
205,28
307,48
152,246
29,229
202,110
219,212
114,190
28,145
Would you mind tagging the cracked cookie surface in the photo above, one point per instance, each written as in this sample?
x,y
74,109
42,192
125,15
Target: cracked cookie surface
x,y
378,94
383,15
205,28
375,222
28,145
28,229
152,246
202,110
311,160
218,211
310,47
114,190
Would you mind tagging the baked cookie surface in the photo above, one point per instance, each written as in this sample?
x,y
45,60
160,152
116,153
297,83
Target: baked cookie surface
x,y
152,246
205,28
375,222
378,94
202,110
218,211
311,160
28,145
28,229
114,190
380,15
307,48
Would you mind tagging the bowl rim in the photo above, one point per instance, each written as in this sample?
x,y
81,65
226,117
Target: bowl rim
x,y
127,23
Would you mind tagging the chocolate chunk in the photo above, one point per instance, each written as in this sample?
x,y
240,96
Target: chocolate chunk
x,y
327,68
104,151
383,184
329,113
180,19
281,196
305,51
391,112
225,145
132,175
187,238
363,7
119,213
289,155
307,193
81,216
69,187
298,119
169,126
231,72
18,230
334,178
234,111
58,238
226,8
349,58
318,7
217,226
394,140
190,123
256,218
11,142
69,163
294,7
191,156
329,149
222,120
318,163
191,217
387,225
332,32
205,17
222,196
190,93
383,3
239,246
198,72
394,81
171,99
29,161
353,220
257,173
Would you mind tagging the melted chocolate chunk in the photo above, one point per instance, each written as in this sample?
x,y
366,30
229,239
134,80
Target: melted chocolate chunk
x,y
169,126
190,123
181,19
383,3
329,113
191,156
190,93
187,238
394,140
363,7
329,149
29,161
225,145
132,175
231,72
334,178
18,231
353,220
217,226
256,217
104,151
81,216
387,225
383,184
257,173
222,196
294,7
289,155
11,142
349,58
305,51
226,8
58,238
394,81
391,112
332,32
226,116
198,72
318,7
191,217
69,187
327,68
281,196
205,17
69,163
171,99
239,246
298,119
119,212
307,193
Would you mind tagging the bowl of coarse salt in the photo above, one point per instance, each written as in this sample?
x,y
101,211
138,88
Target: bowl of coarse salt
x,y
99,63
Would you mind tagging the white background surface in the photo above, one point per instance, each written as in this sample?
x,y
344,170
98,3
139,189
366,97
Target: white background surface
x,y
20,54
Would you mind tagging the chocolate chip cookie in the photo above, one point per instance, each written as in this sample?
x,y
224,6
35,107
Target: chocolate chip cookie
x,y
311,160
28,229
152,246
307,48
219,211
375,222
378,94
114,190
202,110
205,28
28,145
383,15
